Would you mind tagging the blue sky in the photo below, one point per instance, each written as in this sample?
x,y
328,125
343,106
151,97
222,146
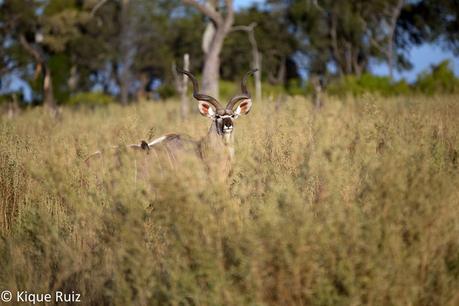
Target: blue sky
x,y
245,3
423,57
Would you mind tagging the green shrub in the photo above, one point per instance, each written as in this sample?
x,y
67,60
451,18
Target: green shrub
x,y
440,79
166,91
295,88
231,88
6,98
368,83
90,99
228,89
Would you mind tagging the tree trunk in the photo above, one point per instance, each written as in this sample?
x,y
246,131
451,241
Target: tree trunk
x,y
41,63
357,66
256,63
256,56
280,77
390,47
258,89
317,94
390,59
211,70
348,56
127,52
212,47
184,102
124,87
181,85
48,94
13,107
73,79
141,92
334,42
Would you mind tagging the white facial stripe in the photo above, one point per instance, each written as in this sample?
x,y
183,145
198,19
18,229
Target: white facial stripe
x,y
157,140
226,116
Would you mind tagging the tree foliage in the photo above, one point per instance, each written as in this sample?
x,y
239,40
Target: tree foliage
x,y
127,48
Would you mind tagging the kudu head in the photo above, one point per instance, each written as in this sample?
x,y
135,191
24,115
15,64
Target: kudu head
x,y
223,117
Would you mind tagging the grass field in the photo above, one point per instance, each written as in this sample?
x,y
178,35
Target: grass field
x,y
357,204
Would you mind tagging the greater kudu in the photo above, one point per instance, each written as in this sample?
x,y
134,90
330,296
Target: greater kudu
x,y
216,149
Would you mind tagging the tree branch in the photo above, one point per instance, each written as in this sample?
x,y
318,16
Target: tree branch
x,y
247,28
229,20
378,46
7,68
317,5
207,10
97,6
396,12
229,7
37,55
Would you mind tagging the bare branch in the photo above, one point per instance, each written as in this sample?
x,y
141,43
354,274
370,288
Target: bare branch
x,y
97,6
36,54
317,5
7,66
247,28
256,56
207,10
396,12
229,20
229,7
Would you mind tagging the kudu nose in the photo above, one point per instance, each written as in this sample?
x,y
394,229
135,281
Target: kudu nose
x,y
227,125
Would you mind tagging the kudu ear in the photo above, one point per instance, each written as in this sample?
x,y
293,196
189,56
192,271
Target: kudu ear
x,y
243,107
206,109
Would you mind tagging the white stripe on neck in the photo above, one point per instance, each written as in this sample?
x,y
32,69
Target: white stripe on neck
x,y
157,140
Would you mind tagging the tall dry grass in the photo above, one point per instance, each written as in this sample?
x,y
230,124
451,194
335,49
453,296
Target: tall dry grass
x,y
357,204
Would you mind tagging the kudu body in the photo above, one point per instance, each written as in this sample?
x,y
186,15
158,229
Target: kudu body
x,y
216,149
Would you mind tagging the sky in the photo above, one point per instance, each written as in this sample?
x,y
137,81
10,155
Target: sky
x,y
423,57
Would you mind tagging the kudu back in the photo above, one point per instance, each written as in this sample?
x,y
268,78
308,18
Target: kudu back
x,y
215,151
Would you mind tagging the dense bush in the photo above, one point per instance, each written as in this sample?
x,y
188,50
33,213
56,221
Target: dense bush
x,y
353,205
90,99
166,91
228,89
440,79
368,83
